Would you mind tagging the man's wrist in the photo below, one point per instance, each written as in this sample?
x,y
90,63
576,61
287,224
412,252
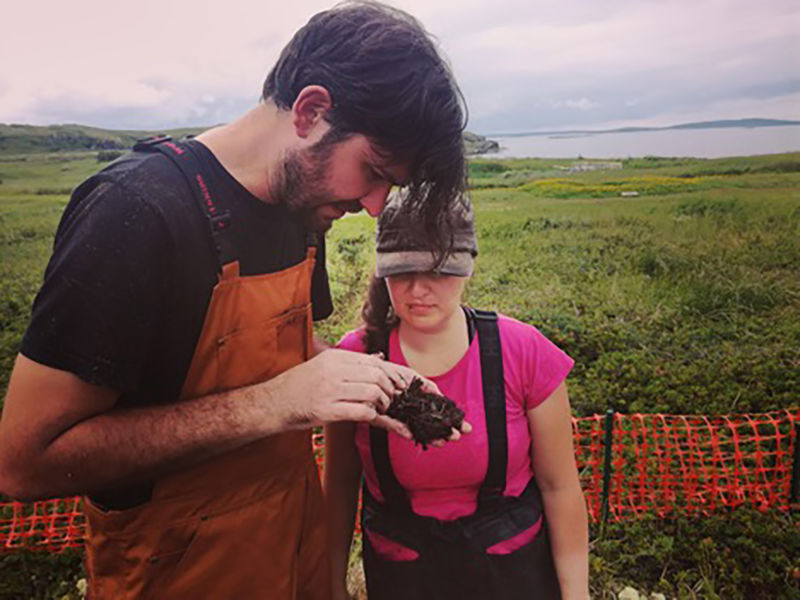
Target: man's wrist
x,y
275,411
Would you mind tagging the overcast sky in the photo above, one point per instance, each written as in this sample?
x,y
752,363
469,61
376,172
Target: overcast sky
x,y
524,65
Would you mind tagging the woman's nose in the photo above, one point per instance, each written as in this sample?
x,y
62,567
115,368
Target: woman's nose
x,y
418,286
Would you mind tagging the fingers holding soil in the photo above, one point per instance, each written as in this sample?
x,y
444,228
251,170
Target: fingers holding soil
x,y
366,393
392,425
401,377
430,417
427,385
388,376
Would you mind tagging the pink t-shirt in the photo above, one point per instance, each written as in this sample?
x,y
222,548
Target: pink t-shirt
x,y
444,482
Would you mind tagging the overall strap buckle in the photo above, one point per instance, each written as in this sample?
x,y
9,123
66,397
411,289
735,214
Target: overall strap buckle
x,y
146,143
183,157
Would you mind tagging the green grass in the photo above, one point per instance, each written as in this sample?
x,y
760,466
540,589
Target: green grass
x,y
683,299
33,192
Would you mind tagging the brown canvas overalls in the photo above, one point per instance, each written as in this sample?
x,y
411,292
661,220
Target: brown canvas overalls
x,y
249,523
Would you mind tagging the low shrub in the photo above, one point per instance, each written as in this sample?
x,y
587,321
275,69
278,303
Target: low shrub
x,y
574,188
704,208
741,555
39,575
109,155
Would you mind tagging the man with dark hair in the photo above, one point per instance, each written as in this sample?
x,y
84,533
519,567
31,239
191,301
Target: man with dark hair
x,y
387,82
169,371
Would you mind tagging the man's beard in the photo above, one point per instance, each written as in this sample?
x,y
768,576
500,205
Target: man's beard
x,y
301,184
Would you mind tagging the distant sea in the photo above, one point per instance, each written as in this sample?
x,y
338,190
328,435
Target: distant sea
x,y
701,143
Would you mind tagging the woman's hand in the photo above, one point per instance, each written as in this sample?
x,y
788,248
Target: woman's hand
x,y
455,435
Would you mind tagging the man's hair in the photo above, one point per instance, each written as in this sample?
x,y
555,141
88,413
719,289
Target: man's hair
x,y
388,82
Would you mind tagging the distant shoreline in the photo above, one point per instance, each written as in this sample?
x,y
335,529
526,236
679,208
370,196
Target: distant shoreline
x,y
719,124
685,142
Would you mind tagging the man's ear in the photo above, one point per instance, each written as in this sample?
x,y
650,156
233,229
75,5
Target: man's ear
x,y
310,108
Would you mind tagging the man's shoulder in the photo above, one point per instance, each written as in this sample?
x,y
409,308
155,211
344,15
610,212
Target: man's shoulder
x,y
147,176
140,185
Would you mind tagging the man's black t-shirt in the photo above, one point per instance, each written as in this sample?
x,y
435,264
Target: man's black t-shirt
x,y
126,290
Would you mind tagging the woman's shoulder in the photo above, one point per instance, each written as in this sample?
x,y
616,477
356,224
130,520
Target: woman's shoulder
x,y
352,340
514,328
518,334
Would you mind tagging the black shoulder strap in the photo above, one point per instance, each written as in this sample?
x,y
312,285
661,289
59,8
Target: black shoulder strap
x,y
494,402
470,314
393,493
185,159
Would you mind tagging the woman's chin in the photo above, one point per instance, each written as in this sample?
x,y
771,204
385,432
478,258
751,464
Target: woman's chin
x,y
425,323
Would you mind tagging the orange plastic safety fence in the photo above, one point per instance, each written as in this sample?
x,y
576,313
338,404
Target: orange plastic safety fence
x,y
665,465
698,465
52,525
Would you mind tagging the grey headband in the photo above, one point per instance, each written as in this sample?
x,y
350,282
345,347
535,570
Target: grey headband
x,y
401,251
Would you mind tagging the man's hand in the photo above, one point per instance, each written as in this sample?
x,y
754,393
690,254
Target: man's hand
x,y
338,385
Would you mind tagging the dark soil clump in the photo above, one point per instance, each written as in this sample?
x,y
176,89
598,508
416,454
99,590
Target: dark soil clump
x,y
429,416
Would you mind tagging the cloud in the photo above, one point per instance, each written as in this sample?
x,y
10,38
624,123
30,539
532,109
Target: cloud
x,y
523,64
582,104
670,56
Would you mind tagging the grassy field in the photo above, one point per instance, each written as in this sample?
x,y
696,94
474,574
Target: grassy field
x,y
680,296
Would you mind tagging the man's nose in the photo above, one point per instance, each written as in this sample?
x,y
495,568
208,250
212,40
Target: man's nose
x,y
374,201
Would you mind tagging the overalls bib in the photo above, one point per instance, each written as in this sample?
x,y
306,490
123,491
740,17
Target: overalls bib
x,y
453,562
248,523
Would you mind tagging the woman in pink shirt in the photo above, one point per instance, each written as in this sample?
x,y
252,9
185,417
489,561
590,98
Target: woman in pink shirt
x,y
497,514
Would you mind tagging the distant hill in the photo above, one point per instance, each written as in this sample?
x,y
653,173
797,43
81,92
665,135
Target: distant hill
x,y
727,123
23,139
478,144
735,123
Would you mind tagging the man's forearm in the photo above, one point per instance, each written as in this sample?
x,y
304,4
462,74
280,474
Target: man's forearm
x,y
567,521
78,441
139,444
